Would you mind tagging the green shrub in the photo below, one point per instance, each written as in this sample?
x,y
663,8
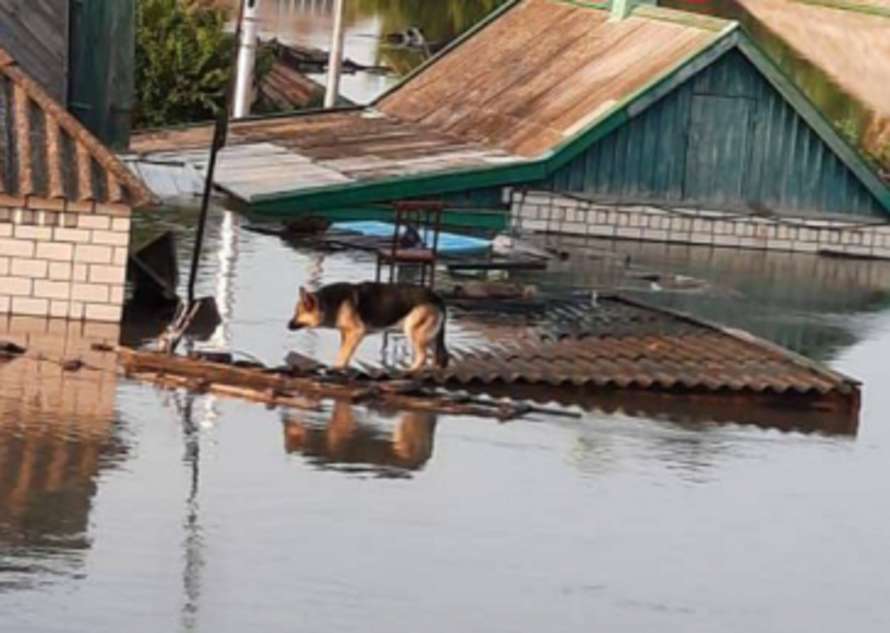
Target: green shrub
x,y
183,58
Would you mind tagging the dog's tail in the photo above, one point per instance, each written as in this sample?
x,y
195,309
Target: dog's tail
x,y
442,355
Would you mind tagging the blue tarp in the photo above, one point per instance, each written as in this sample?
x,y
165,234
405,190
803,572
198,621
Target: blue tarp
x,y
449,243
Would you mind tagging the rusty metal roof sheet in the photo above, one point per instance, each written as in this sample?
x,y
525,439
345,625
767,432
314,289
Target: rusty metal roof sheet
x,y
624,344
48,159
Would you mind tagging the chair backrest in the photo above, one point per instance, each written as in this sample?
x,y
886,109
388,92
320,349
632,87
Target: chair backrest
x,y
424,216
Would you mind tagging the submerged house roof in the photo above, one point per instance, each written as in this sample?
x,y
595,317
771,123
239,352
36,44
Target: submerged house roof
x,y
849,42
512,101
48,159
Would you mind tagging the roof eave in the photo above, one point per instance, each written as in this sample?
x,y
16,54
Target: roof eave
x,y
433,183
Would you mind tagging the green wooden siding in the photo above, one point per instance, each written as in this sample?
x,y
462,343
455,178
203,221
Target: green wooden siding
x,y
725,139
102,54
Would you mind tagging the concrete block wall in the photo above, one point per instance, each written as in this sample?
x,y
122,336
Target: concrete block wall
x,y
64,264
545,212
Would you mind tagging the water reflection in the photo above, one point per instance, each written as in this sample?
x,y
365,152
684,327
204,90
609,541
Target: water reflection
x,y
816,306
56,434
193,541
368,23
351,443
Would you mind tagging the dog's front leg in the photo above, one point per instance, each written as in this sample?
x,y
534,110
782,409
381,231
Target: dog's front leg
x,y
349,341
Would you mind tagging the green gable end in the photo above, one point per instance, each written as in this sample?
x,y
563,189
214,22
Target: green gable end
x,y
725,139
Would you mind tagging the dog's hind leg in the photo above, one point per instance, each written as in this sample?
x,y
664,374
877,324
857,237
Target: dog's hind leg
x,y
421,327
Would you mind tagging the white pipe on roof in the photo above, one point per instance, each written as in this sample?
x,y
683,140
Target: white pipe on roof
x,y
246,59
335,61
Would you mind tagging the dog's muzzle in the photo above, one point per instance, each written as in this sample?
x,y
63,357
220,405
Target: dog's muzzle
x,y
293,325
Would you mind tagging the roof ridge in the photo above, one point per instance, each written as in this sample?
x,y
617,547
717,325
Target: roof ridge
x,y
80,135
854,6
679,16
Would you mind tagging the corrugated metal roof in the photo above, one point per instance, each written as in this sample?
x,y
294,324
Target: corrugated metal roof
x,y
622,344
48,158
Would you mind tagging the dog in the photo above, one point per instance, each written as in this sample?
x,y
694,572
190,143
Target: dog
x,y
359,309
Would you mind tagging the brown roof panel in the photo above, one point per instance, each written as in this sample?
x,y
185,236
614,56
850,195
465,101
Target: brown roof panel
x,y
532,78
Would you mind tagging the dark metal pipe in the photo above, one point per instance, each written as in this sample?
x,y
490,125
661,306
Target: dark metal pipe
x,y
220,134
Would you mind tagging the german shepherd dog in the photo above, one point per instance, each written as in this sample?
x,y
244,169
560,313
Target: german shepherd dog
x,y
358,309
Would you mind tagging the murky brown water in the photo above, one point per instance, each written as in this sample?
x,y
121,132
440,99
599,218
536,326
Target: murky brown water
x,y
124,508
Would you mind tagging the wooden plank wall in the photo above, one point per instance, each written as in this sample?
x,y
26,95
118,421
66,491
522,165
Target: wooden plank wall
x,y
35,32
726,140
102,53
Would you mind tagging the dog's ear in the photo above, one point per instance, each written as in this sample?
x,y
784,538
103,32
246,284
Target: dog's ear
x,y
302,294
310,301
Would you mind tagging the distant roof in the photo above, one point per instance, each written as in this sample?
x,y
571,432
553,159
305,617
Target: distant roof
x,y
849,40
510,101
47,156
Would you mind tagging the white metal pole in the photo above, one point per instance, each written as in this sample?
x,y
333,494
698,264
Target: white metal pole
x,y
246,59
335,61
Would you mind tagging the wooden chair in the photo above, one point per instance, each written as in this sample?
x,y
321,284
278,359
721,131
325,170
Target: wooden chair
x,y
421,219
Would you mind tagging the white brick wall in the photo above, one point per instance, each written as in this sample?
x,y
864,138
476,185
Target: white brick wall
x,y
66,265
547,213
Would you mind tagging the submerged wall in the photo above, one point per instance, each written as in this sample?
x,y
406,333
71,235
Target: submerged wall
x,y
542,211
63,264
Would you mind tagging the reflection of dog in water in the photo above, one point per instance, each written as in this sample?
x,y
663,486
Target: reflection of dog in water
x,y
359,309
346,441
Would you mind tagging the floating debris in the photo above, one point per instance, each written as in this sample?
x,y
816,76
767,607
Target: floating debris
x,y
10,350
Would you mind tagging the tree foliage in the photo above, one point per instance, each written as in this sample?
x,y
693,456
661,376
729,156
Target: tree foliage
x,y
183,57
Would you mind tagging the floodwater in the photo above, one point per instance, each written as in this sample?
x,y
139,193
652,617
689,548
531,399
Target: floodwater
x,y
127,508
